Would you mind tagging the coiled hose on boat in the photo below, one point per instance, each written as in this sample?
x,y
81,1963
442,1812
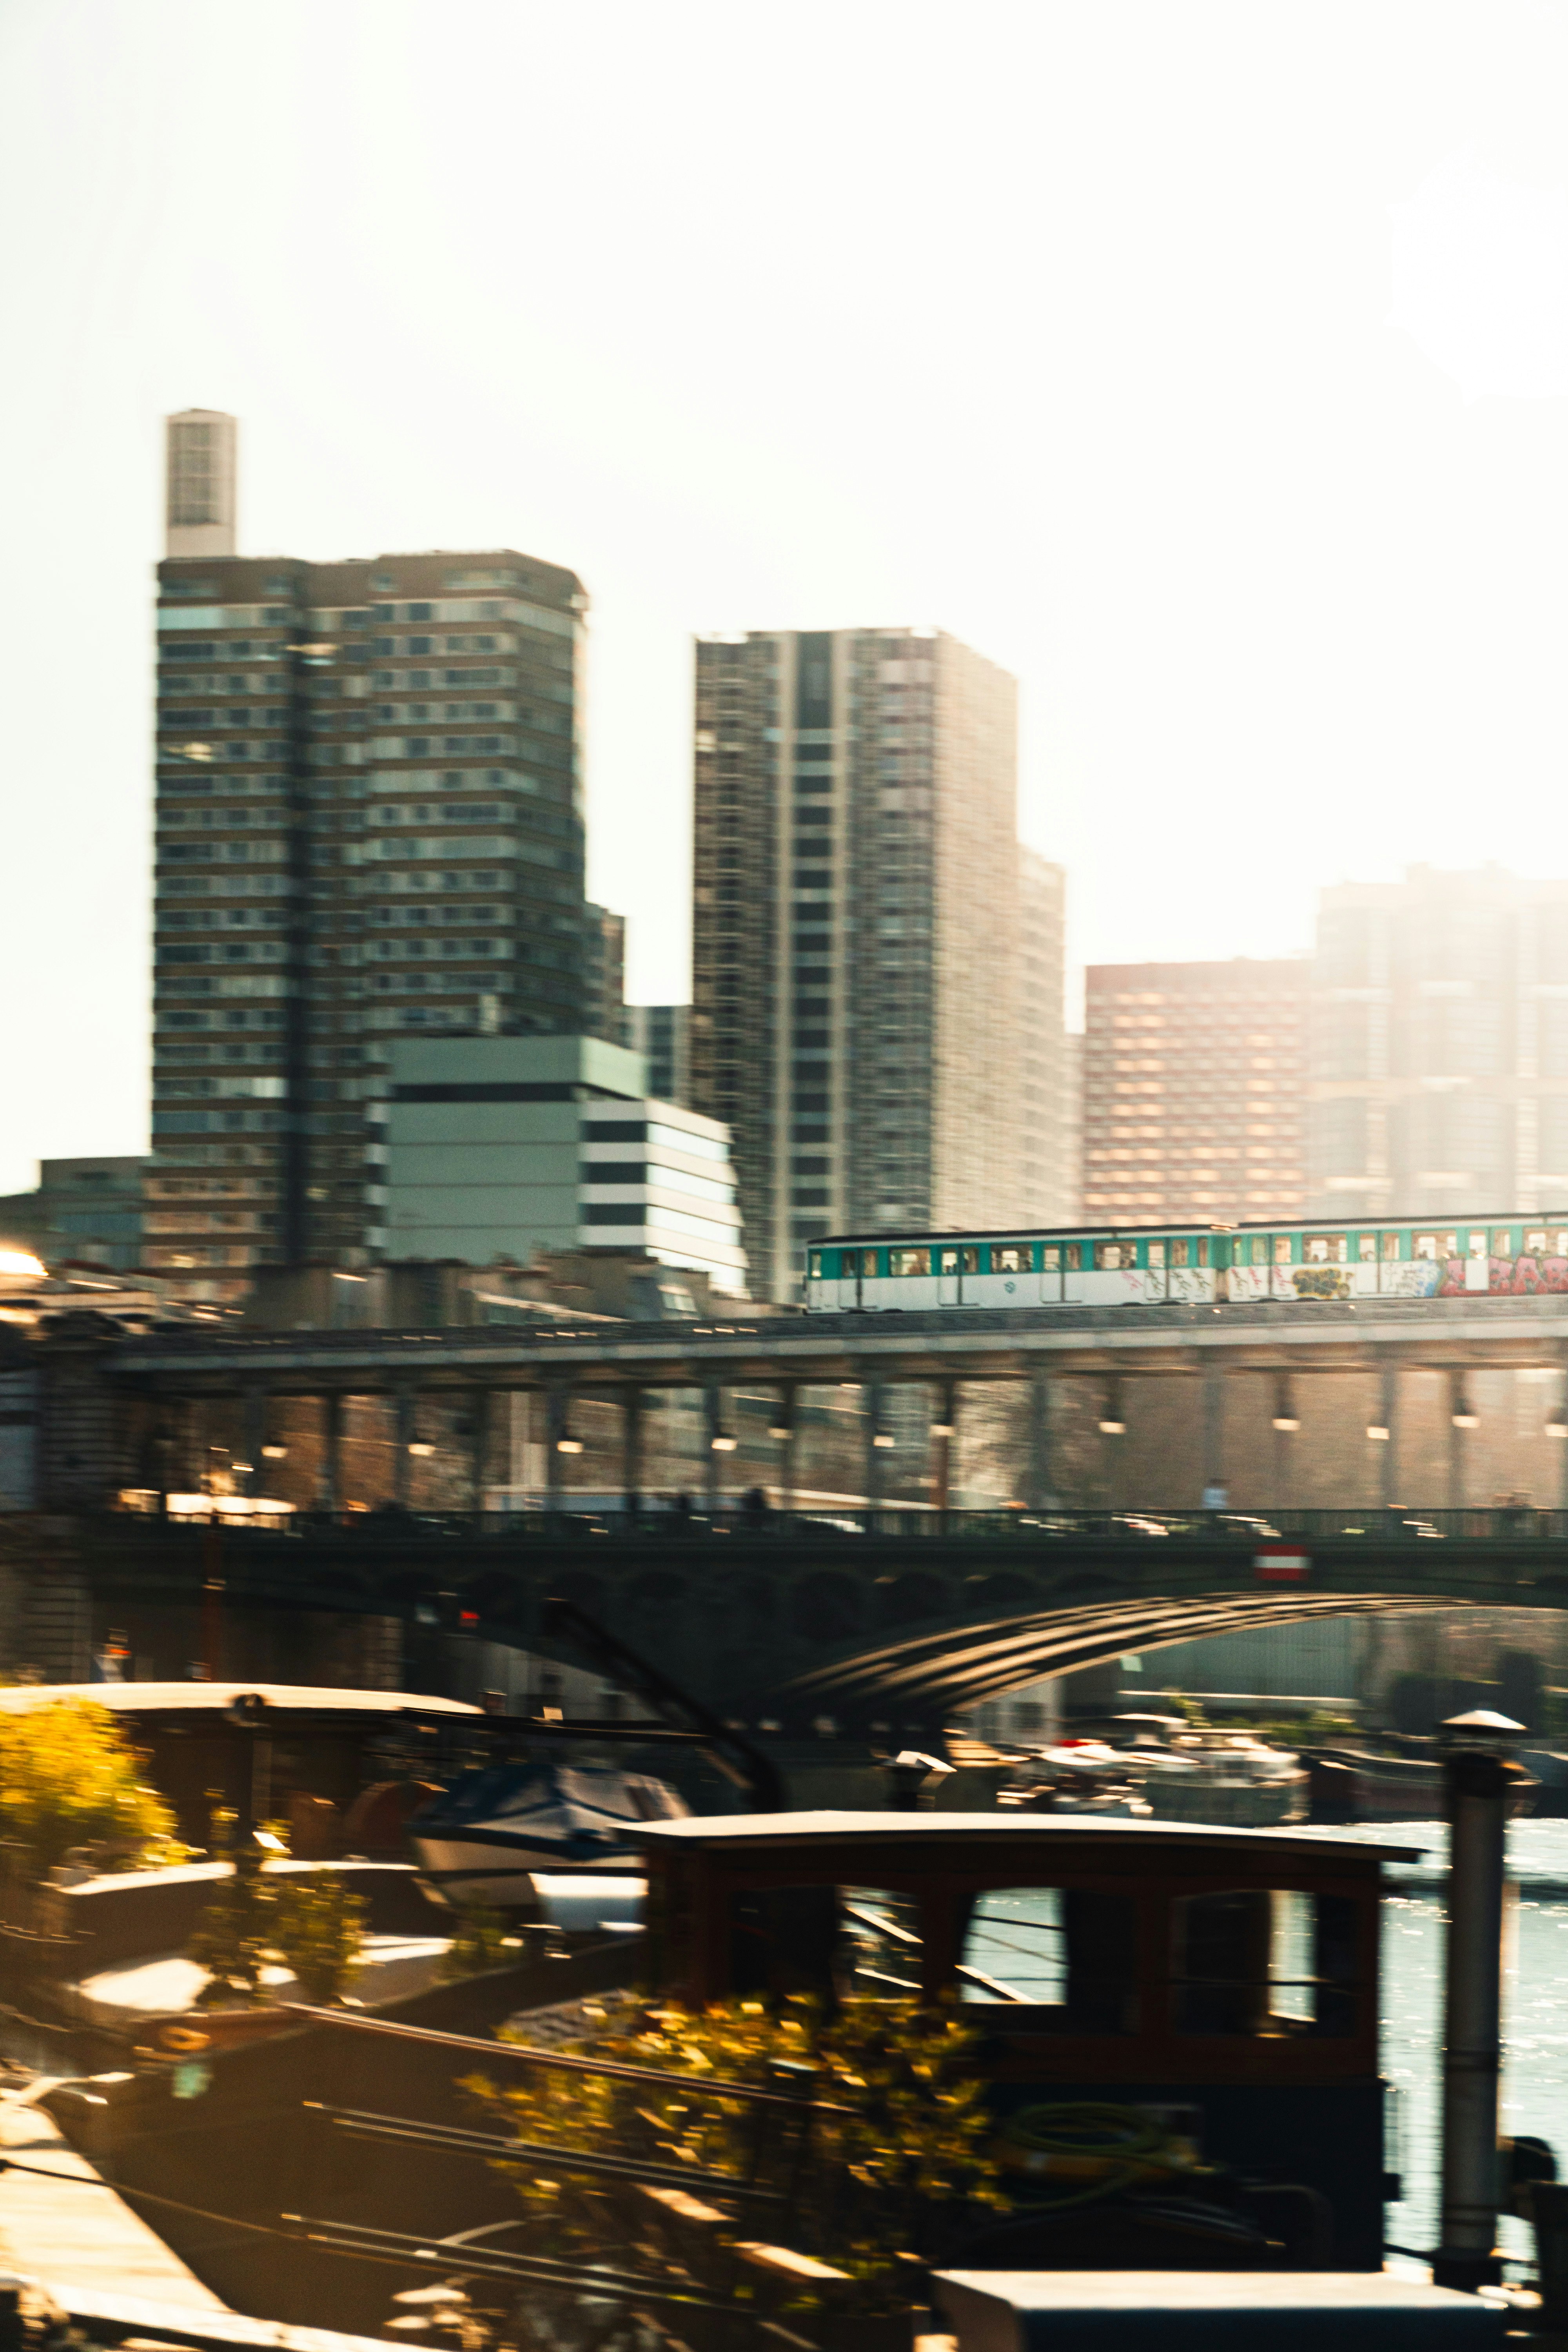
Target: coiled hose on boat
x,y
1091,2149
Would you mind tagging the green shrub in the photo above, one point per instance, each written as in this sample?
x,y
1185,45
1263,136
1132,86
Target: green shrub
x,y
69,1777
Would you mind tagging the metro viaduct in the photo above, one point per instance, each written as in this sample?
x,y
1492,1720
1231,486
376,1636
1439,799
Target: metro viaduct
x,y
800,1627
1045,1348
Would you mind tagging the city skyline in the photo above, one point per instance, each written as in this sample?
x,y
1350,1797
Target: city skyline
x,y
1163,439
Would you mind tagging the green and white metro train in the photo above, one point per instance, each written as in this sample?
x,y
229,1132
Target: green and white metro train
x,y
1108,1265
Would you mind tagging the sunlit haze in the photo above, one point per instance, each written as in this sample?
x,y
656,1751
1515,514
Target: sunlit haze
x,y
1202,364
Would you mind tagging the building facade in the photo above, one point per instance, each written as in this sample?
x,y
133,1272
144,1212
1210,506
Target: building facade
x,y
1195,1081
855,933
605,976
369,822
661,1034
201,483
1049,1186
1439,1058
499,1146
84,1210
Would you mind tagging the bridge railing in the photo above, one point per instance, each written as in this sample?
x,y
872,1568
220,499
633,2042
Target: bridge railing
x,y
1011,1525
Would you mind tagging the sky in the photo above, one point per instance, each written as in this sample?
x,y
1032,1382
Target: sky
x,y
1204,365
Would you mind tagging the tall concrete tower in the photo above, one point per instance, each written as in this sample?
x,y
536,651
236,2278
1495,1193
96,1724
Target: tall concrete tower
x,y
201,450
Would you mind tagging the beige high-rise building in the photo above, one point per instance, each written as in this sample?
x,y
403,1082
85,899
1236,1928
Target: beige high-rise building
x,y
856,1017
1194,1075
1439,1060
1048,1068
201,483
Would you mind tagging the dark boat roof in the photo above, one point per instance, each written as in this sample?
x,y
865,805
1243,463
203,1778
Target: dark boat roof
x,y
190,1702
915,1829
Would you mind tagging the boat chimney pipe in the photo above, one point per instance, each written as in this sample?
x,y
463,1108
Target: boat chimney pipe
x,y
1479,1776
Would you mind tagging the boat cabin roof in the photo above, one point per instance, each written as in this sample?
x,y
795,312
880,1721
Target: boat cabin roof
x,y
768,1833
191,1701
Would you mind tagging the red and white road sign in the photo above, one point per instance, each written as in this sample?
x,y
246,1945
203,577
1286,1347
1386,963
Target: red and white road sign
x,y
1281,1564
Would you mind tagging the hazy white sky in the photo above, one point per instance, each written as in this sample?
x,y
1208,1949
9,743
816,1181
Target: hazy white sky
x,y
1203,364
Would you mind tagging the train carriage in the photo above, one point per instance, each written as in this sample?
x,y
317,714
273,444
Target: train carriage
x,y
1148,1265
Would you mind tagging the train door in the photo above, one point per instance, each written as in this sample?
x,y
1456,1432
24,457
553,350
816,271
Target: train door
x,y
1478,1273
1155,1281
1363,1268
1072,1274
954,1264
871,1286
1051,1273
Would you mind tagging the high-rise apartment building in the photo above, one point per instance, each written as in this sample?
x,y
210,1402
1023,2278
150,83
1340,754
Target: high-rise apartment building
x,y
855,1015
1194,1087
1439,1058
605,976
1048,1179
661,1034
368,821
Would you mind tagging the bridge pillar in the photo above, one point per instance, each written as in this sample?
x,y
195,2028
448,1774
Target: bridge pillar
x,y
557,1424
1461,1420
406,1423
330,1485
256,1402
1214,1435
713,1426
1389,1446
631,1451
478,1446
1286,1422
944,1430
1041,1494
873,1398
782,1431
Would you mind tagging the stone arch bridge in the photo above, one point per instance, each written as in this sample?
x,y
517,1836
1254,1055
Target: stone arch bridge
x,y
782,1623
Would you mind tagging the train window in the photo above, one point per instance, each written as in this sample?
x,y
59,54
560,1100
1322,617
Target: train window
x,y
1156,1253
1281,1249
1503,1243
1075,1257
1366,1248
909,1261
1391,1245
1010,1257
1562,1249
1426,1246
1265,1961
1069,1949
1111,1255
1053,1258
815,1265
1325,1249
1535,1242
960,1261
1477,1245
1203,1249
1179,1250
869,1263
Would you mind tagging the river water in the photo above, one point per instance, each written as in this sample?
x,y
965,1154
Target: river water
x,y
1535,2007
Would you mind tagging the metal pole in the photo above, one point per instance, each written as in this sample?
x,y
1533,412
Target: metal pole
x,y
1284,1447
713,1424
406,1426
329,1491
631,1452
1041,1397
946,1430
479,1449
1456,1442
1478,1776
871,1397
555,1426
1388,1409
255,1437
1214,1498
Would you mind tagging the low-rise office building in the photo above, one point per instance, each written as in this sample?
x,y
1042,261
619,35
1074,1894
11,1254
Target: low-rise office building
x,y
493,1148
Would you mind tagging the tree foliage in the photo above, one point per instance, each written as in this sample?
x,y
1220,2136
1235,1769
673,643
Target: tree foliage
x,y
69,1778
898,2128
311,1924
